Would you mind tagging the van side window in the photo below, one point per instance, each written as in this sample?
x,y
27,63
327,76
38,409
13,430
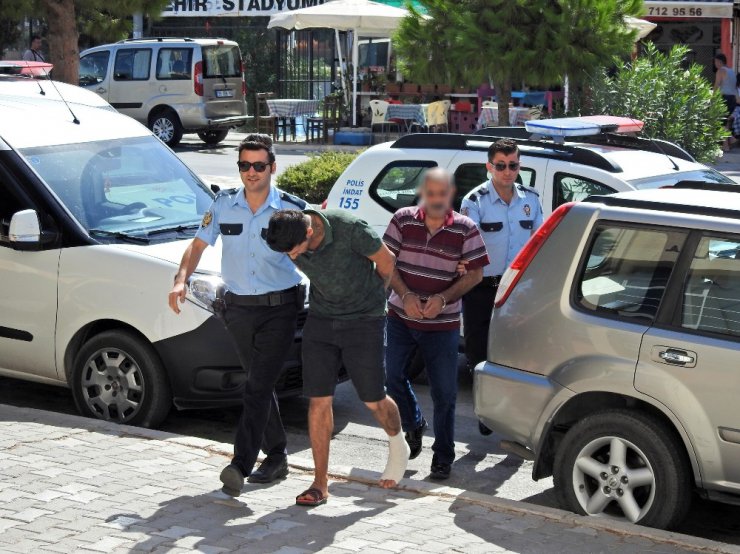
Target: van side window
x,y
174,64
94,68
572,188
469,176
711,296
132,64
627,270
395,187
10,203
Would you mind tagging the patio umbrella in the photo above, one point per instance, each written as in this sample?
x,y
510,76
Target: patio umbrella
x,y
643,27
362,17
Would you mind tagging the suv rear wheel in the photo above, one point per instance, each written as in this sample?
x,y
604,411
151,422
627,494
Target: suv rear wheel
x,y
213,137
118,376
166,127
626,465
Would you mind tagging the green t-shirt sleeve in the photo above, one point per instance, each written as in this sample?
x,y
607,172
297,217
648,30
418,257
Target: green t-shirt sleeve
x,y
365,241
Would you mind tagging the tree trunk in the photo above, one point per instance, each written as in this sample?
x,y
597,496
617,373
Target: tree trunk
x,y
503,93
63,37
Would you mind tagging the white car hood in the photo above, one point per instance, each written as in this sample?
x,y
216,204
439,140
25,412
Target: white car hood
x,y
172,252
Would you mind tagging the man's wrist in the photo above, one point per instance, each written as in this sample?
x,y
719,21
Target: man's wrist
x,y
407,293
444,300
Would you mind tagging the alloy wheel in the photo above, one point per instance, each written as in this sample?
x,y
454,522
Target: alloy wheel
x,y
163,129
113,385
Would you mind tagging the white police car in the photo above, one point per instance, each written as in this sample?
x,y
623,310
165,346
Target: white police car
x,y
95,213
562,159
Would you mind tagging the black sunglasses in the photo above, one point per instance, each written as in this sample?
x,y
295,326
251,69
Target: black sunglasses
x,y
259,167
513,166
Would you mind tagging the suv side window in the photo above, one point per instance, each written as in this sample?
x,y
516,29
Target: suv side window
x,y
10,203
627,270
711,296
94,68
174,64
572,188
469,176
132,64
395,187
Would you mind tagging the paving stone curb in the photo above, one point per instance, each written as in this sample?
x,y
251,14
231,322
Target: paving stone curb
x,y
366,477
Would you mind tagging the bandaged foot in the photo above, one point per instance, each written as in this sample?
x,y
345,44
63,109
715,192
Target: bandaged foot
x,y
398,459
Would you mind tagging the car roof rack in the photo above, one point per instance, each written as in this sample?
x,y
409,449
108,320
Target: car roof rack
x,y
656,205
657,146
704,185
536,148
158,39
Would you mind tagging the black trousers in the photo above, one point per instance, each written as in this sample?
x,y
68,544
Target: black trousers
x,y
262,336
477,308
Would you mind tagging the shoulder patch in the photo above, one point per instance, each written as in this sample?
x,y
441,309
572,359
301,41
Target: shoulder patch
x,y
292,199
524,188
207,218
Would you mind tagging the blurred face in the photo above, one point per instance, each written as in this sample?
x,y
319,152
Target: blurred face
x,y
504,169
717,63
435,196
36,44
254,180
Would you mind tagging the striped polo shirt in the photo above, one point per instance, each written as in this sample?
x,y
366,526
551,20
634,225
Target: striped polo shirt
x,y
428,262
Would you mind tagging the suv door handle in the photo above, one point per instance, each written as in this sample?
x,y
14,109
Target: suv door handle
x,y
677,357
100,90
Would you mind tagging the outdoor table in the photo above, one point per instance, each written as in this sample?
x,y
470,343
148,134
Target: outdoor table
x,y
410,113
292,107
489,116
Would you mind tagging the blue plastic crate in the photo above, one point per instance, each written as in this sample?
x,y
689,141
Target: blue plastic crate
x,y
353,138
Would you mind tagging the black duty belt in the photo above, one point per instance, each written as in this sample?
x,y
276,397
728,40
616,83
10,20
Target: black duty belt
x,y
491,281
278,298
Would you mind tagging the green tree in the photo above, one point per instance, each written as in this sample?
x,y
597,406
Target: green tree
x,y
512,42
65,19
672,98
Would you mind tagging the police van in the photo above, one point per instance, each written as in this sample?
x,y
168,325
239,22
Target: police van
x,y
95,214
563,160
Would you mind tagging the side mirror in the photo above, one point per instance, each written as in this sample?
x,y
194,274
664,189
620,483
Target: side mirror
x,y
25,232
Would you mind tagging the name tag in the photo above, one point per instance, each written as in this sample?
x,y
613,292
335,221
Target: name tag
x,y
491,227
231,228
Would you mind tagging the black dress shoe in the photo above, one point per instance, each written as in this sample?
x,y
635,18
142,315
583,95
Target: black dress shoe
x,y
233,480
440,471
414,437
271,469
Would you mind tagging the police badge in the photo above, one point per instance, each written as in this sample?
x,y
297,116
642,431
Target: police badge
x,y
207,218
463,211
527,210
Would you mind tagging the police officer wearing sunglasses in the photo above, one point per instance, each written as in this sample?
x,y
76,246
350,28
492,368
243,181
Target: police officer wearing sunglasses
x,y
507,213
261,305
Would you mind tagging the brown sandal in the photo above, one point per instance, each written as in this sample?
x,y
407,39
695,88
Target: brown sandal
x,y
315,498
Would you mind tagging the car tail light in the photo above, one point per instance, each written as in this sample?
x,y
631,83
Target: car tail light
x,y
324,204
198,79
526,255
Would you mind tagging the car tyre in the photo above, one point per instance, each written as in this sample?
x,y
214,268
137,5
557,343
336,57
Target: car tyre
x,y
625,465
118,376
213,137
166,127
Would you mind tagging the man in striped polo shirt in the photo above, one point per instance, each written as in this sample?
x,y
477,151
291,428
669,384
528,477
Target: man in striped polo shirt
x,y
430,242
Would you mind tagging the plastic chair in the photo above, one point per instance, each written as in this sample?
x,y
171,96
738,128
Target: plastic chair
x,y
320,125
266,123
378,109
489,104
437,116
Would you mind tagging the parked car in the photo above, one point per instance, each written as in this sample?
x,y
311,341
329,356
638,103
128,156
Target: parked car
x,y
612,358
384,178
171,85
95,214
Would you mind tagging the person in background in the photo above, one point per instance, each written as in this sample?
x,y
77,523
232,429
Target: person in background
x,y
429,241
725,81
33,54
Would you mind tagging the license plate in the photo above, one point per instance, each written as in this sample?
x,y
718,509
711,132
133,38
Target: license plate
x,y
224,94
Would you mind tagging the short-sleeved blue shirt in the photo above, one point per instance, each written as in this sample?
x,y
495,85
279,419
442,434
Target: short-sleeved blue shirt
x,y
505,227
248,265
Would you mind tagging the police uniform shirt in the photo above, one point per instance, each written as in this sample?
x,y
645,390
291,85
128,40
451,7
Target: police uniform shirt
x,y
248,265
505,227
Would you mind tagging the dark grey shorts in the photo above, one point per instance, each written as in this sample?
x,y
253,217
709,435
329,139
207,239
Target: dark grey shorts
x,y
355,343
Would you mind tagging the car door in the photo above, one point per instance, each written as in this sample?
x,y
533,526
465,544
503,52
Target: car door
x,y
131,87
690,362
94,72
28,295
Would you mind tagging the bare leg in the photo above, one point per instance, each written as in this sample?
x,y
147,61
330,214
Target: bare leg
x,y
386,413
320,428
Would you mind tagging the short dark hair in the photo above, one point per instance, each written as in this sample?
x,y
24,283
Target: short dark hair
x,y
286,230
721,57
258,141
34,37
505,146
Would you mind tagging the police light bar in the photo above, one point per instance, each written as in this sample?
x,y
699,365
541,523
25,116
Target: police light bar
x,y
22,67
583,126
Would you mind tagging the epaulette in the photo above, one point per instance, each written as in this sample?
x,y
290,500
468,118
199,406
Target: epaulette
x,y
292,199
525,188
226,192
481,189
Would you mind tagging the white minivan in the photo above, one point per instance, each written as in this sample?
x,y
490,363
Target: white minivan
x,y
95,213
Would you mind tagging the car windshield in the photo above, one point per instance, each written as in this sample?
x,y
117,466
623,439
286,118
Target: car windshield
x,y
708,175
123,188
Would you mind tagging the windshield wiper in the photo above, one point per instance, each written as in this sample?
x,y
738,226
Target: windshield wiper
x,y
175,229
119,235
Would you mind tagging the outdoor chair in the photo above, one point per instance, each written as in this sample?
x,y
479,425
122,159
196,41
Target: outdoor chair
x,y
535,112
489,104
266,123
437,114
378,109
319,126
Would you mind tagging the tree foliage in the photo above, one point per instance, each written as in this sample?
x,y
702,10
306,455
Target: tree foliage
x,y
671,96
313,179
512,42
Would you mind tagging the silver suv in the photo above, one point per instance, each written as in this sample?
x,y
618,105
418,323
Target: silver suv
x,y
172,85
613,353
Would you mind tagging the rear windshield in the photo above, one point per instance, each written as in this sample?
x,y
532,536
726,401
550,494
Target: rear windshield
x,y
708,175
221,61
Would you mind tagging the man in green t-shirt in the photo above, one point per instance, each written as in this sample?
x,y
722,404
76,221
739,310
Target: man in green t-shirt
x,y
349,268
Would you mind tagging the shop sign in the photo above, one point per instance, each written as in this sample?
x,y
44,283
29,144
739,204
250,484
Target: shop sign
x,y
687,10
234,8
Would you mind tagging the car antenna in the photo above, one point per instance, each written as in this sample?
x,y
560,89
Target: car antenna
x,y
660,149
74,117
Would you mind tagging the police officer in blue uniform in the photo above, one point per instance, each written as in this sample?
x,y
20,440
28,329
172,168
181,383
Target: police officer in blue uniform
x,y
261,305
507,214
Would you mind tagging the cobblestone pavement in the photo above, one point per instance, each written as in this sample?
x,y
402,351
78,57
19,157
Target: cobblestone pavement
x,y
69,484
